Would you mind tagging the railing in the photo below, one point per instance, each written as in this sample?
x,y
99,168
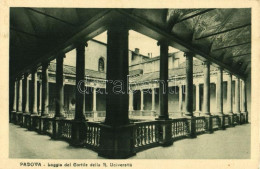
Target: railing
x,y
92,135
180,128
145,135
215,122
66,129
200,124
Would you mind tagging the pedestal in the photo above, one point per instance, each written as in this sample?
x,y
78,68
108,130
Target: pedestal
x,y
78,132
57,127
209,124
192,126
165,132
116,142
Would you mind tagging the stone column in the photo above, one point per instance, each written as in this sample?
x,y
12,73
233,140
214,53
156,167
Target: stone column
x,y
26,93
40,98
237,99
94,103
206,89
116,135
230,98
165,128
131,97
13,94
206,95
45,96
163,84
180,98
219,94
189,93
244,101
142,101
153,101
197,97
45,89
79,123
25,101
19,96
32,122
34,91
59,100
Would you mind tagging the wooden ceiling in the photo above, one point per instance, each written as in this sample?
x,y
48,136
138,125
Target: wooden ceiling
x,y
222,35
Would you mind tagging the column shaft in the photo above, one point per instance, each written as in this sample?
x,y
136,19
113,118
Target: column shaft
x,y
26,94
219,88
34,91
244,97
189,85
45,89
117,102
180,98
94,100
197,97
40,97
14,95
153,99
237,96
206,89
19,96
229,94
131,97
80,82
163,86
142,100
59,101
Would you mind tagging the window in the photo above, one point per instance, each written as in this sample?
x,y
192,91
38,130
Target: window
x,y
101,65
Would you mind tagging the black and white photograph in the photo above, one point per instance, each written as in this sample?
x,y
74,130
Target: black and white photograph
x,y
130,84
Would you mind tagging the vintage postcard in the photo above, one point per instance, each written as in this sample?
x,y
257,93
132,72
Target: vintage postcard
x,y
118,84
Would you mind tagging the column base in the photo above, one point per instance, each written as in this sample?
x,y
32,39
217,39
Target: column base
x,y
246,116
239,114
192,126
32,125
165,132
116,142
41,124
232,119
209,125
95,115
26,120
222,120
57,128
78,132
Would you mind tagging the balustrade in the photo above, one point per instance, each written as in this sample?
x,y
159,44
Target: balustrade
x,y
180,128
145,134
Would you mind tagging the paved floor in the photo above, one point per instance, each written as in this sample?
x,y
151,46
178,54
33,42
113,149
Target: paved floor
x,y
233,143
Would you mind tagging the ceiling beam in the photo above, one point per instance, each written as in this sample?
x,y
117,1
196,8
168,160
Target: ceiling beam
x,y
50,16
240,55
26,33
194,15
228,30
142,26
86,31
231,46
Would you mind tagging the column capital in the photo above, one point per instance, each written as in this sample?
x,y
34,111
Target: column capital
x,y
220,68
206,63
45,65
162,42
189,54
